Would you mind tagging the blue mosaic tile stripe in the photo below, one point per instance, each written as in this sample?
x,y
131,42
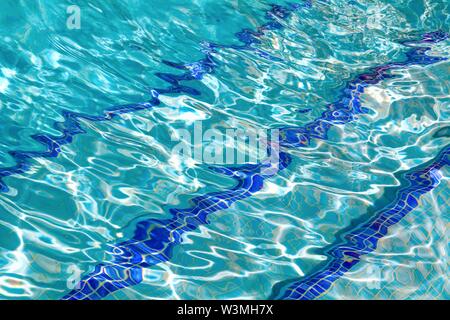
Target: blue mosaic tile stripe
x,y
364,238
349,105
154,239
194,71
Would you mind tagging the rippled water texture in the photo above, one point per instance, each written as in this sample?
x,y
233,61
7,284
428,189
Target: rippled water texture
x,y
95,205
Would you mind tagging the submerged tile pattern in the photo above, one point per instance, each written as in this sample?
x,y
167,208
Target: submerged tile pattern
x,y
154,239
364,238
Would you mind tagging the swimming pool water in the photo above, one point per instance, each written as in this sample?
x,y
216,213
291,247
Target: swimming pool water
x,y
350,201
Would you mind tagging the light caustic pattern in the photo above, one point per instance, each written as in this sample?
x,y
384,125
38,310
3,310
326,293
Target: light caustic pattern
x,y
155,239
363,239
72,126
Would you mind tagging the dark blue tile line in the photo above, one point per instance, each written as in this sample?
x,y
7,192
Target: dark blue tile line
x,y
195,71
349,105
364,238
155,239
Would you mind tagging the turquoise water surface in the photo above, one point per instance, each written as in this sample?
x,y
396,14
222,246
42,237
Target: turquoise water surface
x,y
95,203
